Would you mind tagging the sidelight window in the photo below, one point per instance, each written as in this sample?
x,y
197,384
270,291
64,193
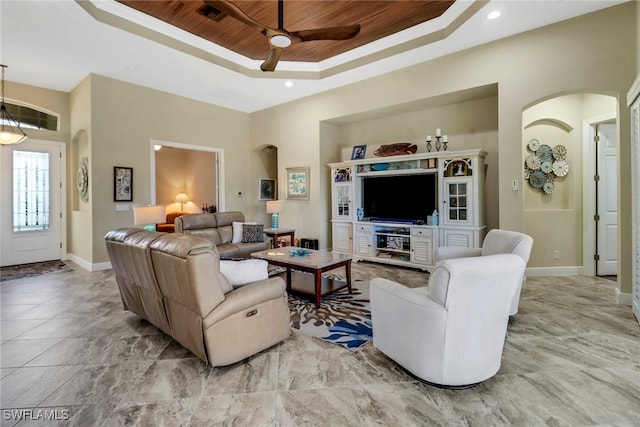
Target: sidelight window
x,y
31,185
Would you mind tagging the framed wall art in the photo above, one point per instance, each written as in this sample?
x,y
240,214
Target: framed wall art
x,y
267,189
298,183
122,184
358,152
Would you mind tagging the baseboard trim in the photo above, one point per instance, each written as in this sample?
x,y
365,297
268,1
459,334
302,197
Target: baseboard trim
x,y
624,298
101,266
87,265
554,271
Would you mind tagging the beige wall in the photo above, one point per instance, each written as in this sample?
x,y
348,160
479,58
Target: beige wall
x,y
126,117
80,222
52,101
468,125
185,171
528,68
555,221
593,53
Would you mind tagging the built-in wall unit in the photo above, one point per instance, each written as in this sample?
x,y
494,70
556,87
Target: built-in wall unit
x,y
399,209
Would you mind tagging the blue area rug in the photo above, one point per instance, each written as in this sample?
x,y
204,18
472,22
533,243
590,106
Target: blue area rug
x,y
343,319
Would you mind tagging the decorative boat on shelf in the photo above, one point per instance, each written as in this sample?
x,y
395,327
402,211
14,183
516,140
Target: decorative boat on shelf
x,y
396,149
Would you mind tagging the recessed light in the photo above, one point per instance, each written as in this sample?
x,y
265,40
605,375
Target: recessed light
x,y
288,83
493,15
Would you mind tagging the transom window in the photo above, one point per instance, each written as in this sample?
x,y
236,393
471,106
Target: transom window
x,y
31,205
30,118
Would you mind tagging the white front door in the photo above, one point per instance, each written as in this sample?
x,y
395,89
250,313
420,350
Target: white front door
x,y
31,210
607,200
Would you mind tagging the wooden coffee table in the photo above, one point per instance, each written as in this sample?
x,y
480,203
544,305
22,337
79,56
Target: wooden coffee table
x,y
304,273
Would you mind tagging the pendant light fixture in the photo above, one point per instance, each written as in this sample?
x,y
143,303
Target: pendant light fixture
x,y
10,132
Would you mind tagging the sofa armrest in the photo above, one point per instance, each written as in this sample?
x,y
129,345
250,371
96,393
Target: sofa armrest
x,y
246,297
450,252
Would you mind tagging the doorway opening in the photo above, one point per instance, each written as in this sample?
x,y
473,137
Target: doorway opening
x,y
562,216
194,172
601,198
32,221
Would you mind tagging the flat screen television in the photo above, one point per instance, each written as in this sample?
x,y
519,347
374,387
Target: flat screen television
x,y
402,198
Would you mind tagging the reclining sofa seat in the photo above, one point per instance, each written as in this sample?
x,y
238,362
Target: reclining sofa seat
x,y
218,228
131,263
199,309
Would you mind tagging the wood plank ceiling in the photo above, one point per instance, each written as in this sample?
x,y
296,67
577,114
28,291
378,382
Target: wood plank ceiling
x,y
377,18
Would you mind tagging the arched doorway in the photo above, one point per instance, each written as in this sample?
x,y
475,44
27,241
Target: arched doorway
x,y
562,216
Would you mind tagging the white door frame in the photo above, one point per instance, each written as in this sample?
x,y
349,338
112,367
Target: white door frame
x,y
219,172
62,147
589,158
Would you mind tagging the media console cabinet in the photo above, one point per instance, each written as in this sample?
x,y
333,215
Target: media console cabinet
x,y
454,187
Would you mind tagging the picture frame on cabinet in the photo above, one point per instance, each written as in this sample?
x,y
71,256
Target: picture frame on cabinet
x,y
122,184
358,153
266,189
298,183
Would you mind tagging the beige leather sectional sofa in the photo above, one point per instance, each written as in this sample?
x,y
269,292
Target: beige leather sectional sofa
x,y
218,228
174,281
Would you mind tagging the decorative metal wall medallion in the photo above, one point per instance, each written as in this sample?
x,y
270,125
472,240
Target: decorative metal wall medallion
x,y
545,165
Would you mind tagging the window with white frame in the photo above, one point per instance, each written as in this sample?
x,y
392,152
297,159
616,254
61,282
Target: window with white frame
x,y
31,205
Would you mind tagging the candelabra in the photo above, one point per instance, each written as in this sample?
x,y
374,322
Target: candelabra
x,y
441,141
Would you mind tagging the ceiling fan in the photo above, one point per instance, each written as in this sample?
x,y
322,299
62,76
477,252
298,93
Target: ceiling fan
x,y
279,38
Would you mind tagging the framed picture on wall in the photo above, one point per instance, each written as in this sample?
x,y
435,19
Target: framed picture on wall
x,y
298,183
267,189
358,152
122,184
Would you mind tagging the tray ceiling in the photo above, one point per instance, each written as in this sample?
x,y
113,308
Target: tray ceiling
x,y
378,19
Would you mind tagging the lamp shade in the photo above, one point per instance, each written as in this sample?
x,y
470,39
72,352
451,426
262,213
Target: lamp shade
x,y
274,206
182,198
10,132
148,215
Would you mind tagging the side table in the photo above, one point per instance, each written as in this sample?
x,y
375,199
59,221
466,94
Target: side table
x,y
274,233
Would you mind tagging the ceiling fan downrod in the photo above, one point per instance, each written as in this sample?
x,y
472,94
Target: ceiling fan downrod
x,y
281,40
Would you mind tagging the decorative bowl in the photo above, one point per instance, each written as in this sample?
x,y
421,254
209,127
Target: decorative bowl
x,y
299,252
380,166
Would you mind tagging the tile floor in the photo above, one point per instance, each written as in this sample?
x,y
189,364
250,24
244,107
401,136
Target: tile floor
x,y
572,358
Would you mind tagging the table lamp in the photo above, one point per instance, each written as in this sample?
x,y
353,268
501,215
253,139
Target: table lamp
x,y
149,216
182,198
274,207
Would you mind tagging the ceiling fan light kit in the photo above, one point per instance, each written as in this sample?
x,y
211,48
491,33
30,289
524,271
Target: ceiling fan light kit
x,y
279,38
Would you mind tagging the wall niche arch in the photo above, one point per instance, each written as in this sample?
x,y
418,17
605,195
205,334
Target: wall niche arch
x,y
561,223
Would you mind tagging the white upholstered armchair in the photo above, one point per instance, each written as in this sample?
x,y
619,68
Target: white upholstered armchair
x,y
452,332
496,242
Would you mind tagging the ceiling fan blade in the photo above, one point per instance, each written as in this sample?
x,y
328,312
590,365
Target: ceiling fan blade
x,y
333,33
233,10
272,60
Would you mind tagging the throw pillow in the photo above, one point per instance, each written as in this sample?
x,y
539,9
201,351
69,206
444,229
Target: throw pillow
x,y
239,273
252,233
237,231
